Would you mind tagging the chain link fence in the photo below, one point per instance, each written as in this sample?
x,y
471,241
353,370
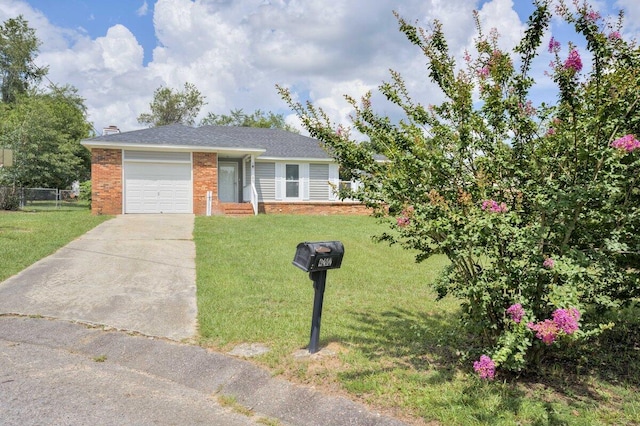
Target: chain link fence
x,y
35,199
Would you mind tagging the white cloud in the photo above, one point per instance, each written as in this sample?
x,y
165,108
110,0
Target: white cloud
x,y
236,52
499,14
143,10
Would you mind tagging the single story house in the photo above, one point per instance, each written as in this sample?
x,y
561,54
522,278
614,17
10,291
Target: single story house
x,y
213,170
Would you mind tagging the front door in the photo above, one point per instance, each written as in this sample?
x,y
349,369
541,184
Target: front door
x,y
228,182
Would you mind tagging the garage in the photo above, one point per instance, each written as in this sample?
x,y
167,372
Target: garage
x,y
157,182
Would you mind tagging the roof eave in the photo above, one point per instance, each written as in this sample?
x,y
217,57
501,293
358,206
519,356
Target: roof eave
x,y
173,148
301,159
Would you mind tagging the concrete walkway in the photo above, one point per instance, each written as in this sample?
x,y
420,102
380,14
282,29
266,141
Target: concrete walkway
x,y
134,272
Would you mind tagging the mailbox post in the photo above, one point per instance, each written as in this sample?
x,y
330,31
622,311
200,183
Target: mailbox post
x,y
316,258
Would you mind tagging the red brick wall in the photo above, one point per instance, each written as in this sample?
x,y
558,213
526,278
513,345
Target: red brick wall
x,y
205,178
313,208
106,181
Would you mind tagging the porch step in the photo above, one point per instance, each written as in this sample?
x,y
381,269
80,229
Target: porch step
x,y
238,209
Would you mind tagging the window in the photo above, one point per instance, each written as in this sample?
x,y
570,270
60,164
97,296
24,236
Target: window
x,y
292,181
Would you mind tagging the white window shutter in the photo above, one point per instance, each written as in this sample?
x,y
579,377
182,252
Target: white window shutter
x,y
280,181
304,181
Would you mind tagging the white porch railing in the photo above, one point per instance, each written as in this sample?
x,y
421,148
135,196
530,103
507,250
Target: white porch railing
x,y
249,193
254,199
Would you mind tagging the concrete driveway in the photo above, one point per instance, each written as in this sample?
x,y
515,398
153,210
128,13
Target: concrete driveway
x,y
134,272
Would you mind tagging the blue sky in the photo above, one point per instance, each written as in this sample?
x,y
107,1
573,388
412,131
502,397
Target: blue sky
x,y
95,17
117,52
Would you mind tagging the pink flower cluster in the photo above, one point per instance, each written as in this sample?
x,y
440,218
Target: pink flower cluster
x,y
527,108
516,312
403,221
573,62
483,72
554,45
493,206
405,218
626,143
614,35
564,320
593,16
485,368
549,263
547,330
567,319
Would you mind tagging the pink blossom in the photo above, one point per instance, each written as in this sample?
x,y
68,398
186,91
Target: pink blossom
x,y
547,330
493,206
567,319
483,72
592,16
527,108
516,312
573,62
551,131
614,35
626,143
485,368
403,221
549,263
554,45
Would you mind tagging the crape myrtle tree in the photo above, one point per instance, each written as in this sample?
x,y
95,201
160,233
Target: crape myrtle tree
x,y
536,207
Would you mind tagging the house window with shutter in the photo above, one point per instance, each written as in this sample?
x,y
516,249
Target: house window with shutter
x,y
292,175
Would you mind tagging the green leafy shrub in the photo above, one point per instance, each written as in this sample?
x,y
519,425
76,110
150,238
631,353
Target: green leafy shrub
x,y
85,191
9,198
536,206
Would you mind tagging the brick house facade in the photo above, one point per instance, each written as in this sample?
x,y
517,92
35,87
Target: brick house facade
x,y
213,170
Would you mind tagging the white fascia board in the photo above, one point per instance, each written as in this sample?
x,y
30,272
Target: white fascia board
x,y
297,159
174,148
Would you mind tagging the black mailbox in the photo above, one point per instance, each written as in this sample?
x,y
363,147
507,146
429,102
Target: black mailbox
x,y
319,256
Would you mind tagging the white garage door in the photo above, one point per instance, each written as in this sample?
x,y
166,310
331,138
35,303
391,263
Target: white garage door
x,y
157,187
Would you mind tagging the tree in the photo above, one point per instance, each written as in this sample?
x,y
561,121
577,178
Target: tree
x,y
44,131
238,118
18,49
536,207
169,107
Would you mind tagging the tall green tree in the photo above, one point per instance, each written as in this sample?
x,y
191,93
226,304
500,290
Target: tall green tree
x,y
44,131
537,207
173,107
43,128
239,118
18,49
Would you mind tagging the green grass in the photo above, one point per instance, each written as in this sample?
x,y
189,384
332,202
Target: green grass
x,y
52,205
397,348
28,237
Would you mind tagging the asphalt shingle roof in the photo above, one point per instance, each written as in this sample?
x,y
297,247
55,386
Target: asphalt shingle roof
x,y
277,143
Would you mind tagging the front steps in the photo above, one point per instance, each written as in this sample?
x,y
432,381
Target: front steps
x,y
237,209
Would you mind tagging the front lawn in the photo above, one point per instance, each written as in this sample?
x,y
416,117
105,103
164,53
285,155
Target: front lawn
x,y
26,237
396,347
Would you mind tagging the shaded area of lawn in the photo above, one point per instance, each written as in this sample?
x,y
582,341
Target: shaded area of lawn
x,y
396,347
28,237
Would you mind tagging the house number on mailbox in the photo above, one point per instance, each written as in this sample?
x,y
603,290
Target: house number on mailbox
x,y
323,263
